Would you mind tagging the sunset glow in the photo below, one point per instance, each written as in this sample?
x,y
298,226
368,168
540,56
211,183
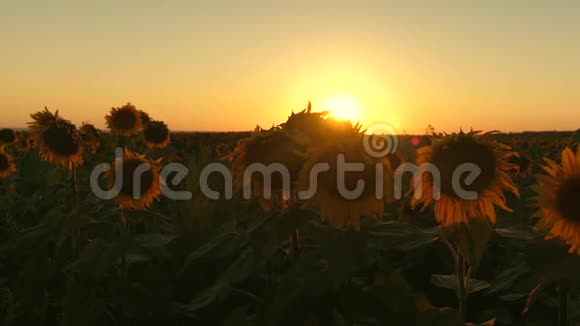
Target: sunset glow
x,y
343,107
408,63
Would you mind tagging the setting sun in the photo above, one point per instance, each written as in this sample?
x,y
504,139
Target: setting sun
x,y
343,107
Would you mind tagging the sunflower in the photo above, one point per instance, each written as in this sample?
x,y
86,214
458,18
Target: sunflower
x,y
7,137
42,119
156,135
7,166
523,165
149,183
31,142
90,137
394,160
23,144
447,154
307,127
124,121
266,147
559,199
575,139
58,140
222,150
334,207
145,117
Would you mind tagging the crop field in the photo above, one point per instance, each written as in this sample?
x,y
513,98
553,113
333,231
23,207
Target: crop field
x,y
191,241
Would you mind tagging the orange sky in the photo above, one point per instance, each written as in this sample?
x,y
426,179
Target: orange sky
x,y
505,65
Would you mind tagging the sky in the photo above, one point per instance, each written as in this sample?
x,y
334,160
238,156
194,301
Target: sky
x,y
232,65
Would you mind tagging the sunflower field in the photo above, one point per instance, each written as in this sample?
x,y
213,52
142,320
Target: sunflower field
x,y
268,256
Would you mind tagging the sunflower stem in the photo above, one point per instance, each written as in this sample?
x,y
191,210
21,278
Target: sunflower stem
x,y
462,285
124,232
562,306
76,222
463,275
296,246
122,142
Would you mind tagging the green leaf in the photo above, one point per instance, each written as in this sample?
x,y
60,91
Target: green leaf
x,y
507,278
513,296
517,233
439,317
81,306
151,241
238,317
550,261
211,245
450,282
395,235
341,250
490,322
470,240
534,295
240,269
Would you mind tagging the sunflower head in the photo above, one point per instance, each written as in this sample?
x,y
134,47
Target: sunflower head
x,y
7,136
222,150
23,143
575,140
345,208
394,160
523,165
266,147
58,140
156,135
145,117
308,128
448,155
559,199
7,166
124,121
31,142
136,191
305,123
42,119
90,137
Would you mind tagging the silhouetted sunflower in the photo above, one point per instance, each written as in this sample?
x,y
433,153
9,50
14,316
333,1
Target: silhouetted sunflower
x,y
23,144
447,154
148,187
145,117
340,210
395,160
156,135
31,142
222,150
57,139
7,166
575,139
90,137
266,147
124,121
42,119
307,127
559,199
523,165
7,137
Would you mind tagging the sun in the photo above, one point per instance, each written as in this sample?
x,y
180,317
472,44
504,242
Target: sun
x,y
343,108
